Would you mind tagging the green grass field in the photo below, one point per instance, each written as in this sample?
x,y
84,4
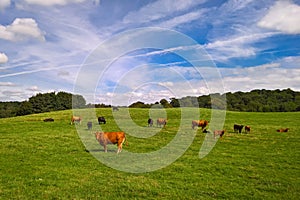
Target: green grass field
x,y
42,160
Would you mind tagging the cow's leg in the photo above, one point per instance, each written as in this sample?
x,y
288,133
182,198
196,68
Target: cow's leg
x,y
120,144
105,148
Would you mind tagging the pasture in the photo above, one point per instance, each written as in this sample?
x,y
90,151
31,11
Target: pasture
x,y
47,160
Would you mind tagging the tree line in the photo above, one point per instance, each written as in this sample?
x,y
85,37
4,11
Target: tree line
x,y
42,103
262,100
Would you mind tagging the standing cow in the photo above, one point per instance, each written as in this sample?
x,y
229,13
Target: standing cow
x,y
219,132
76,119
105,138
150,122
199,123
238,128
89,125
101,120
161,121
247,129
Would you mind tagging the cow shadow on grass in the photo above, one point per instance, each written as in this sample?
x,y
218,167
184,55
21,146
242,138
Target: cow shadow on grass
x,y
100,150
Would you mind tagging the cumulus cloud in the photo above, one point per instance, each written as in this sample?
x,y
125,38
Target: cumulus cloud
x,y
3,58
22,29
283,16
267,76
4,4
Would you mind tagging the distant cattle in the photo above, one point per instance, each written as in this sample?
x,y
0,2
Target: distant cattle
x,y
161,121
105,138
89,125
238,128
219,132
247,129
48,120
76,119
101,120
150,122
199,123
283,130
115,108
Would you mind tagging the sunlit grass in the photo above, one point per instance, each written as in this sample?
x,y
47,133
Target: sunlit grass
x,y
41,160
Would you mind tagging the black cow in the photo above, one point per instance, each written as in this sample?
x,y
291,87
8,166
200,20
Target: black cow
x,y
150,122
101,120
89,125
238,128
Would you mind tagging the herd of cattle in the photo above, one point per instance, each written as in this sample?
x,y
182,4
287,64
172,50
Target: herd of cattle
x,y
105,138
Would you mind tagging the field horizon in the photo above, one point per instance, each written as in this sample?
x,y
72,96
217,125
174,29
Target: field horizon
x,y
49,160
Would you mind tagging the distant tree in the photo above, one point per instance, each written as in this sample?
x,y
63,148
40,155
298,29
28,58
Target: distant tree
x,y
78,101
139,104
175,102
25,108
165,103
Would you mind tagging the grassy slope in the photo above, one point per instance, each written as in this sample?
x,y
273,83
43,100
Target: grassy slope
x,y
48,160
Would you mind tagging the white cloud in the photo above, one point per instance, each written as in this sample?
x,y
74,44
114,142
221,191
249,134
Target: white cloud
x,y
3,58
166,84
21,29
235,46
186,18
158,10
4,4
34,89
52,2
268,76
7,84
283,16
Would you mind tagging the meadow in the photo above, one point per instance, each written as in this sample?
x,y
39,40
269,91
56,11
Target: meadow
x,y
48,160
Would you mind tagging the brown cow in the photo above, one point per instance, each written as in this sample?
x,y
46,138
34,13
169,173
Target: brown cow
x,y
219,132
199,123
76,119
283,130
105,138
161,121
247,129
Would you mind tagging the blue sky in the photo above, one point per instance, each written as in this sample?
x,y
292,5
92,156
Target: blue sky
x,y
45,46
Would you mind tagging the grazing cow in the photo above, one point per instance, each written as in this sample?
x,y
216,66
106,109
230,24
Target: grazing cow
x,y
238,128
219,132
161,121
247,129
76,119
150,122
48,120
115,108
89,125
101,120
199,123
105,138
283,130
